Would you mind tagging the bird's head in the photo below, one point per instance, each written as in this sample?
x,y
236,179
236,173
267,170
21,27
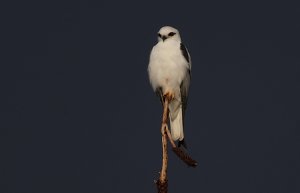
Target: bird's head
x,y
168,33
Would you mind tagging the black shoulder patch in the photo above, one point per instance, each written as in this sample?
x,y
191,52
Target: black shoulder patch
x,y
184,52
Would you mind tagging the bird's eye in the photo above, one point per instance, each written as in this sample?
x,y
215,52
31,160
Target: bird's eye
x,y
159,35
171,33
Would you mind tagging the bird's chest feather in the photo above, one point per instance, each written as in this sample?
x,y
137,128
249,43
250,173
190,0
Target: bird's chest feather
x,y
167,65
166,56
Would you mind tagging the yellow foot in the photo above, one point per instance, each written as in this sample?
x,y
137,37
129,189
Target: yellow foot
x,y
169,96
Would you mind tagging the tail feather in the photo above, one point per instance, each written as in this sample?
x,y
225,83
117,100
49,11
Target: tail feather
x,y
176,123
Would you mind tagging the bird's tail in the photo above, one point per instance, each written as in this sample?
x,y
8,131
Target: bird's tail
x,y
176,123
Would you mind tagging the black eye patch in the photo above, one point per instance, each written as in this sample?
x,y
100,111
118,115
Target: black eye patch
x,y
159,35
171,33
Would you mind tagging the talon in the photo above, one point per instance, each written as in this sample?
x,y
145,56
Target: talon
x,y
169,96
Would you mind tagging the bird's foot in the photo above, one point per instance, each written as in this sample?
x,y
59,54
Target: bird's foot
x,y
169,96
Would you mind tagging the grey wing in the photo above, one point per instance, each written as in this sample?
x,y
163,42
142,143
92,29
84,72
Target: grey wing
x,y
184,90
186,54
159,93
184,87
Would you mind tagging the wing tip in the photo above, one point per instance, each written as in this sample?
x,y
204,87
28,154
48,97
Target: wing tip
x,y
182,143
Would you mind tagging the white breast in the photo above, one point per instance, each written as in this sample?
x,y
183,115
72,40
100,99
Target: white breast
x,y
167,66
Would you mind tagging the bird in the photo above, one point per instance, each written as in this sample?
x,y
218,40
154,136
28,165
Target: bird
x,y
169,72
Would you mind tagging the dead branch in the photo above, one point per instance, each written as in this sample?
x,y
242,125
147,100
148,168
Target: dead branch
x,y
179,152
162,183
184,157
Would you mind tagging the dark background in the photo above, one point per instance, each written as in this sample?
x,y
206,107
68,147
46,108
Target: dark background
x,y
77,113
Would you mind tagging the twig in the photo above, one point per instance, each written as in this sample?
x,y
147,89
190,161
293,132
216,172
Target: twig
x,y
179,152
162,183
184,157
170,137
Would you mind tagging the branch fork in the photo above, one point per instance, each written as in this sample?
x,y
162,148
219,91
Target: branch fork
x,y
162,182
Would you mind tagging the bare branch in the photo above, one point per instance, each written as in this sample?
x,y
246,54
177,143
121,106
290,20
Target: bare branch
x,y
162,183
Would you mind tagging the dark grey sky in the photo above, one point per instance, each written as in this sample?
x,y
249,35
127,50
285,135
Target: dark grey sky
x,y
77,113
